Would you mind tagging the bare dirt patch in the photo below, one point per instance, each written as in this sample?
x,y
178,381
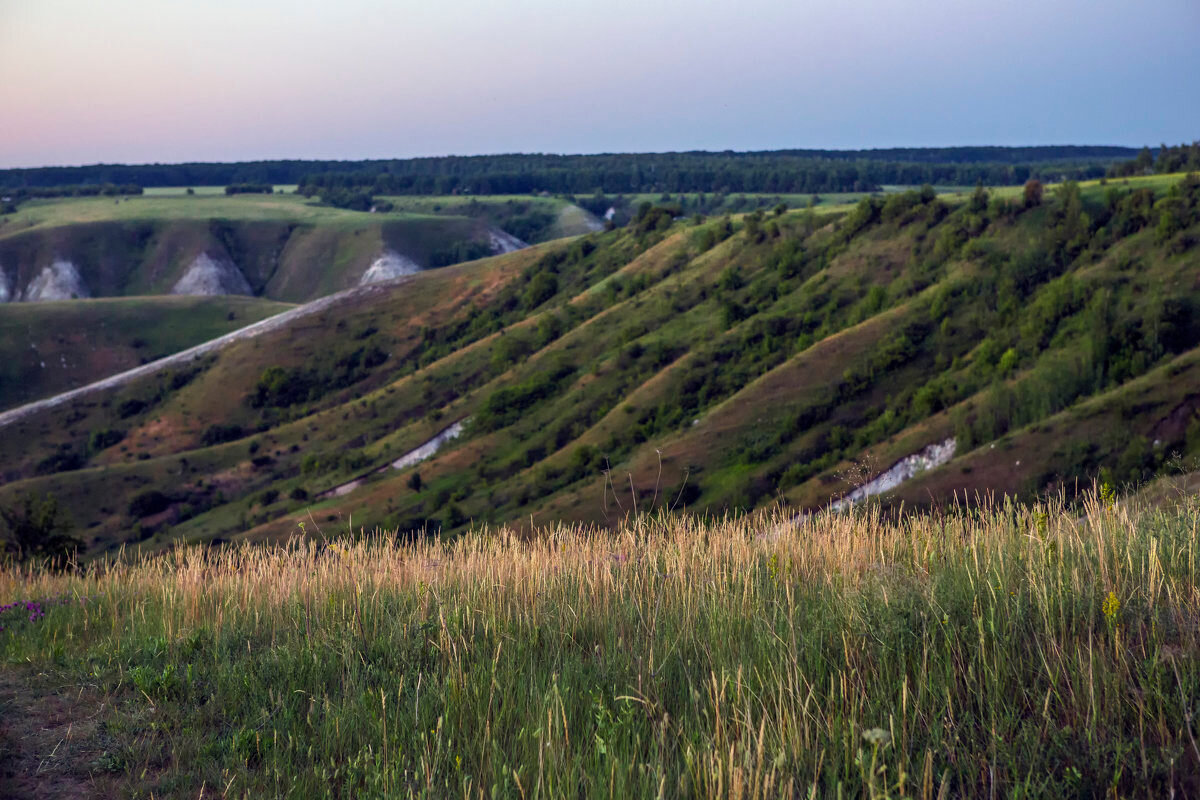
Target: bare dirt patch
x,y
51,739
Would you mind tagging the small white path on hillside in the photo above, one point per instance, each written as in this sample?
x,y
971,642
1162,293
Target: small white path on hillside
x,y
931,457
248,332
414,456
419,454
906,468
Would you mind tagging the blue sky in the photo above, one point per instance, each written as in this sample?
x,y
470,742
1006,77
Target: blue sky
x,y
173,80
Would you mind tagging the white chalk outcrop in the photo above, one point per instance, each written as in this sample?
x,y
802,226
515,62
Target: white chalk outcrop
x,y
388,266
5,288
211,277
419,454
59,281
414,456
503,242
931,457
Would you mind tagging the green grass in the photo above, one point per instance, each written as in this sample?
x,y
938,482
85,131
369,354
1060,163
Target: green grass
x,y
202,206
1014,651
47,348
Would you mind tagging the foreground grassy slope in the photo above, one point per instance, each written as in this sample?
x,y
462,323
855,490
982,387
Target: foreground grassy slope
x,y
48,348
712,364
1018,651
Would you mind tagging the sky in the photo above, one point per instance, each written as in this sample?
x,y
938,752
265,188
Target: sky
x,y
141,81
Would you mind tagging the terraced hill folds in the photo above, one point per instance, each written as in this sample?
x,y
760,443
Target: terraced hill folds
x,y
1003,343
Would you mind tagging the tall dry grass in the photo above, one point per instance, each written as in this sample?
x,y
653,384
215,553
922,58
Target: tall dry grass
x,y
1013,651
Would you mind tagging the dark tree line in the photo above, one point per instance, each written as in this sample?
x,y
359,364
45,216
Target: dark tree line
x,y
776,172
793,171
71,190
249,188
1181,158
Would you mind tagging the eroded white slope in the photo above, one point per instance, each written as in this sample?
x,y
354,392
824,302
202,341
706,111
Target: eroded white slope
x,y
211,276
59,281
388,266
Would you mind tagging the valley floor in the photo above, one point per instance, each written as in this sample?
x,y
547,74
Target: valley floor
x,y
1027,651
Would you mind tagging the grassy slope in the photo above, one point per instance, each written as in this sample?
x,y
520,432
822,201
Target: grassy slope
x,y
725,374
48,348
290,248
1021,651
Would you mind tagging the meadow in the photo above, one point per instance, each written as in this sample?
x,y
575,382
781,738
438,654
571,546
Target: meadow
x,y
1004,651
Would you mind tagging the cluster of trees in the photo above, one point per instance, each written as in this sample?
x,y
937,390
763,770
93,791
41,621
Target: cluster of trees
x,y
11,197
1181,158
350,199
761,171
783,171
249,188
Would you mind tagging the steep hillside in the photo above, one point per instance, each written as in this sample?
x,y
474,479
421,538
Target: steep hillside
x,y
284,247
48,348
729,363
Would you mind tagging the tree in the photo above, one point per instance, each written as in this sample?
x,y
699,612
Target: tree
x,y
34,528
1144,160
454,516
979,199
414,482
1033,193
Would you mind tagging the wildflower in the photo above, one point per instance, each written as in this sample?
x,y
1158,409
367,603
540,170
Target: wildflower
x,y
1111,607
877,736
1108,495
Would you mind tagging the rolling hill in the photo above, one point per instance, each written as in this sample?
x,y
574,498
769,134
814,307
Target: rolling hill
x,y
280,246
701,363
49,348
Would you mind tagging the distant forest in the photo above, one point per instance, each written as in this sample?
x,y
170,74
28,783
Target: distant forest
x,y
1182,158
774,171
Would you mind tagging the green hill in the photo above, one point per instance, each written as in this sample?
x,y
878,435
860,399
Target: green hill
x,y
280,246
48,348
729,363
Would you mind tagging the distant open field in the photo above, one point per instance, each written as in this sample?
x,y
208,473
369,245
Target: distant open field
x,y
243,207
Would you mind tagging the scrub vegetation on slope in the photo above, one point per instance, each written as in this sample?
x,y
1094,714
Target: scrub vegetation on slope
x,y
718,363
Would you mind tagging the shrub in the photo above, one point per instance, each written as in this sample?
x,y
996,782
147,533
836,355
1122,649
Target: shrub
x,y
148,503
104,439
34,528
219,434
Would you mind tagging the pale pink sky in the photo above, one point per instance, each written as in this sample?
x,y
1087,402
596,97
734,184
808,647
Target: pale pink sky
x,y
173,80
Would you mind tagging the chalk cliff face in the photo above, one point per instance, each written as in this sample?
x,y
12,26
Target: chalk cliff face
x,y
503,242
389,265
212,276
59,281
5,288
